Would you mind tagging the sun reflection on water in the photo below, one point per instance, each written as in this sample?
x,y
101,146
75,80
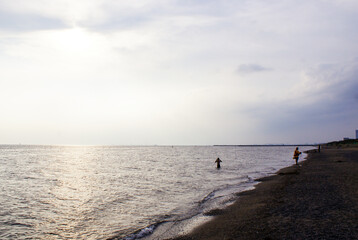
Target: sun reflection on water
x,y
72,191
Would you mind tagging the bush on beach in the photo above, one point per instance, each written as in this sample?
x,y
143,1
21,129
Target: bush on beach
x,y
344,143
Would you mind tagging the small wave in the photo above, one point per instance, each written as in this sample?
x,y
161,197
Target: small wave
x,y
18,224
250,179
29,178
210,205
141,233
227,189
208,197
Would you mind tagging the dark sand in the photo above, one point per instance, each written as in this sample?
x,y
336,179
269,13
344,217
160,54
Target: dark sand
x,y
317,200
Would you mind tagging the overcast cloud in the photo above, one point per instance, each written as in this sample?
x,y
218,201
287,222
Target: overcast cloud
x,y
251,68
178,72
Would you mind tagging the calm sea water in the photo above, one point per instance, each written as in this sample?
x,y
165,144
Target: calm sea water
x,y
102,192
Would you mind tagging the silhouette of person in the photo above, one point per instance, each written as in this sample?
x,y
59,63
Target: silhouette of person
x,y
296,155
218,161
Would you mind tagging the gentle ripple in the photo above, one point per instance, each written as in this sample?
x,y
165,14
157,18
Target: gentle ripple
x,y
97,192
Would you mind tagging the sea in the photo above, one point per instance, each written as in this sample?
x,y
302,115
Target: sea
x,y
124,192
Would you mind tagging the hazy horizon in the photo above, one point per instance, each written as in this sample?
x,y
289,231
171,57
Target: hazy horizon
x,y
172,72
161,145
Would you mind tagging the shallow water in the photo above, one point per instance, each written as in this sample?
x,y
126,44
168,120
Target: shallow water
x,y
100,192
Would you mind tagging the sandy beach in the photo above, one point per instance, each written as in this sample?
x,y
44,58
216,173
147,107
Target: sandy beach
x,y
316,200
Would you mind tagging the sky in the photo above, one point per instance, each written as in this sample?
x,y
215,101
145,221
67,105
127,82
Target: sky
x,y
178,72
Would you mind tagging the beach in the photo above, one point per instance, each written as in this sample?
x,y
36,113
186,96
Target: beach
x,y
318,199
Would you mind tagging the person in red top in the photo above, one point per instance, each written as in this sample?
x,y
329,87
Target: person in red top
x,y
296,155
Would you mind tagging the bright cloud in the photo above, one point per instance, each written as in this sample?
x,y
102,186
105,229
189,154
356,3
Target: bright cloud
x,y
177,72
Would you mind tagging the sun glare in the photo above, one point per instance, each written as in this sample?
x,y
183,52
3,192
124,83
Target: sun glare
x,y
74,40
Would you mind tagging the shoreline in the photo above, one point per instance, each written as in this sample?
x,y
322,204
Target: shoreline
x,y
316,200
171,229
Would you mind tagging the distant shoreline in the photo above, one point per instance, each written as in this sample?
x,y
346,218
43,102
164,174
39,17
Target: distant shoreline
x,y
270,145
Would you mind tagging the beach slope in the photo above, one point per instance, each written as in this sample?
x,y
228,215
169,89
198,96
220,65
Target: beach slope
x,y
316,200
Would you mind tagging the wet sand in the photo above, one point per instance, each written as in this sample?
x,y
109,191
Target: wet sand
x,y
316,200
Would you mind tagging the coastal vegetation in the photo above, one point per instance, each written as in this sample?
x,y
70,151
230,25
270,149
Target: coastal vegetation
x,y
343,143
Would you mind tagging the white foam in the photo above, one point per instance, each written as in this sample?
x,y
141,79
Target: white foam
x,y
142,233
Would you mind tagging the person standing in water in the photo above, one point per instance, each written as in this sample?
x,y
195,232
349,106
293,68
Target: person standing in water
x,y
218,161
296,155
